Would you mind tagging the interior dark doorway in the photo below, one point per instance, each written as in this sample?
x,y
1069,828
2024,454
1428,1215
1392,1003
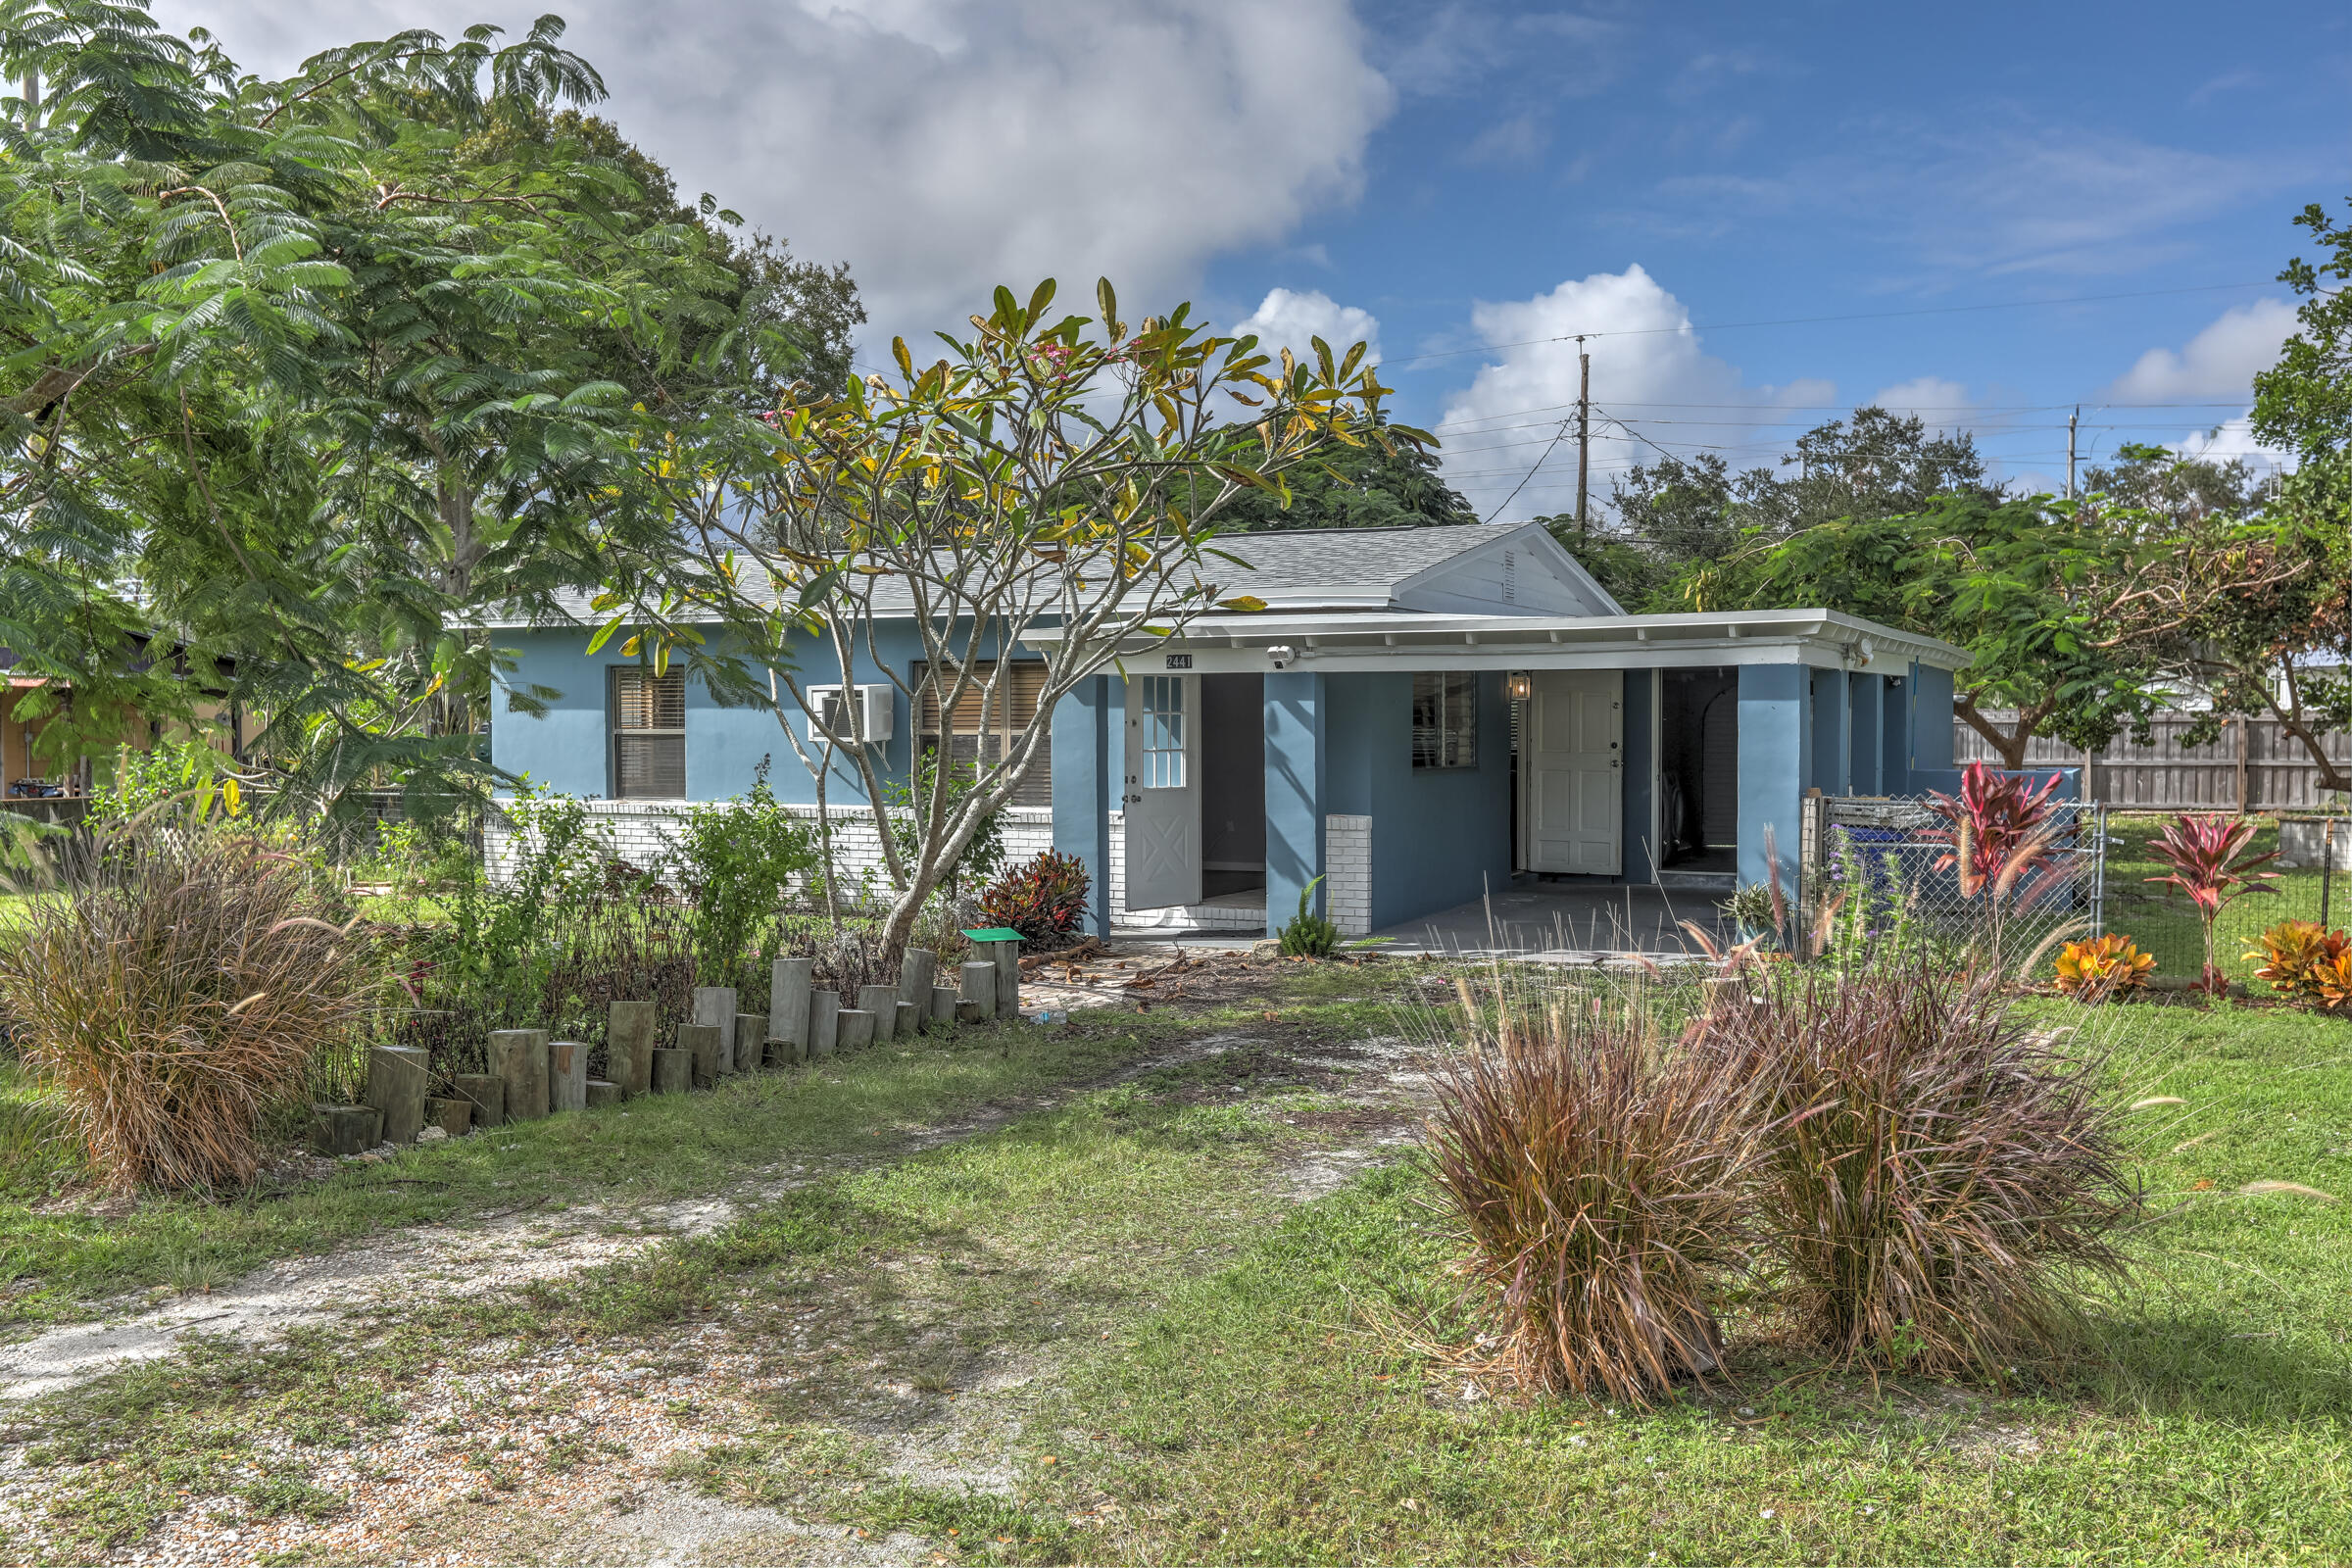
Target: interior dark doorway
x,y
1233,785
1698,770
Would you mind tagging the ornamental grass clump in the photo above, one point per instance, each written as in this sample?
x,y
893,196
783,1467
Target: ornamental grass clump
x,y
1936,1178
1595,1166
170,984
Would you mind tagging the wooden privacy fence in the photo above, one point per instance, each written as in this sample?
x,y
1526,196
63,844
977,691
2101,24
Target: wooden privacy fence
x,y
2255,766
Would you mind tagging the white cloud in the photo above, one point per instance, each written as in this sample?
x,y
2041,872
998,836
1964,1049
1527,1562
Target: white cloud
x,y
2234,438
1518,140
944,146
1648,373
1284,319
1941,403
2219,361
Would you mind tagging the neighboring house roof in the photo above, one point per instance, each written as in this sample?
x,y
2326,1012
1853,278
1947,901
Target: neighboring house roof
x,y
1513,570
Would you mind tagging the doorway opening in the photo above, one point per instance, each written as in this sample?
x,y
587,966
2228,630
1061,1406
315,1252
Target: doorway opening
x,y
1233,789
1698,770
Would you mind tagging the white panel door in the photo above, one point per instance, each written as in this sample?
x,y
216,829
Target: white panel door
x,y
1573,754
1163,791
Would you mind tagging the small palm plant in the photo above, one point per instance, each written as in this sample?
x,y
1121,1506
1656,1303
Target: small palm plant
x,y
1309,935
2208,854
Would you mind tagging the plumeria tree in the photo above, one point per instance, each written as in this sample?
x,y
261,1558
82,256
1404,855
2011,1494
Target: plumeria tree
x,y
1061,471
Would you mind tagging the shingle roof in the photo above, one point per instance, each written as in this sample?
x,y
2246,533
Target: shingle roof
x,y
1298,568
1355,560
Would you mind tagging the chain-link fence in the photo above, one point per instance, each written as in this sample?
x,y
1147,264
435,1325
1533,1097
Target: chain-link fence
x,y
1871,864
1882,867
2311,880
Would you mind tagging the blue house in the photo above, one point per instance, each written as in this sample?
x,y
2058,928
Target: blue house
x,y
1417,716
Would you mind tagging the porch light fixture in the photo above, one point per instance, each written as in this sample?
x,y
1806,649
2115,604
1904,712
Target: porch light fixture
x,y
1519,685
1281,654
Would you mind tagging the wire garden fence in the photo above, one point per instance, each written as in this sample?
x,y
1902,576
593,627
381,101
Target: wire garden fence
x,y
1880,868
1877,861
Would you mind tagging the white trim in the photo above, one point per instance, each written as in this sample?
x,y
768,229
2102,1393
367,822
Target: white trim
x,y
1824,639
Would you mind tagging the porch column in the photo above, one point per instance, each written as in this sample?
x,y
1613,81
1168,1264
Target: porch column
x,y
1776,765
1083,774
1295,792
1894,735
1865,710
1639,862
1832,730
1931,723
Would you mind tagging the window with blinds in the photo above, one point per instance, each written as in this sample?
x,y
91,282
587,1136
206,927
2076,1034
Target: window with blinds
x,y
649,734
1015,699
1445,721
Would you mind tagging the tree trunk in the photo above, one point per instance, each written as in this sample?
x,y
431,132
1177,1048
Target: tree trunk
x,y
2011,744
2334,775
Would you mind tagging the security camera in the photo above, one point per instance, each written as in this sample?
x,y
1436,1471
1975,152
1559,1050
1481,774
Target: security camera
x,y
1281,654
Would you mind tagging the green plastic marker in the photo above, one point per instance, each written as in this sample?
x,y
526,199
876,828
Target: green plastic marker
x,y
994,933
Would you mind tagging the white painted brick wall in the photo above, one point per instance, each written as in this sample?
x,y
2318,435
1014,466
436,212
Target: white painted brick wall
x,y
1346,887
1348,873
642,832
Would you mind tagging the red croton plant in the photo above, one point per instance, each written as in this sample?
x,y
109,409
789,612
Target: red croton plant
x,y
2001,828
2206,853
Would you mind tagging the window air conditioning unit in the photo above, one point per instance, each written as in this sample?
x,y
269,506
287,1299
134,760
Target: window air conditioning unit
x,y
875,709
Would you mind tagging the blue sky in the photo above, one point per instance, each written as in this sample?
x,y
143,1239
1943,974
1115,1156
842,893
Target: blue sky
x,y
1461,178
1768,162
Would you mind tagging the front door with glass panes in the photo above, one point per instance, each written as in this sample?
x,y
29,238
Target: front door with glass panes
x,y
1572,790
1162,798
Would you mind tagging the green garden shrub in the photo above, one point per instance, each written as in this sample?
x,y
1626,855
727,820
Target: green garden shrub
x,y
1044,899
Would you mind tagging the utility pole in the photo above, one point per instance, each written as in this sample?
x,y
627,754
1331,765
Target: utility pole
x,y
1584,428
33,97
2069,450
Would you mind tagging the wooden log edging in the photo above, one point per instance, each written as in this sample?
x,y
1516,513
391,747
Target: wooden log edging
x,y
979,990
824,1021
715,1009
568,1074
918,972
751,1042
488,1093
338,1130
701,1042
397,1076
883,1003
791,985
518,1057
629,1046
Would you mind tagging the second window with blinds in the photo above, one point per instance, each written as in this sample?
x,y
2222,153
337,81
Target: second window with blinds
x,y
649,734
1006,701
1445,721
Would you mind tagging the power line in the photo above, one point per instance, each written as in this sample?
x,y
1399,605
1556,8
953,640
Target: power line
x,y
1815,320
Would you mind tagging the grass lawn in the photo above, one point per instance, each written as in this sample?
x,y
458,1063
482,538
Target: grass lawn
x,y
1151,1321
55,1260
